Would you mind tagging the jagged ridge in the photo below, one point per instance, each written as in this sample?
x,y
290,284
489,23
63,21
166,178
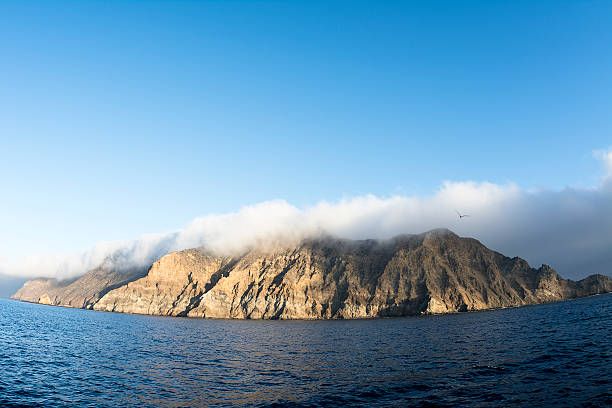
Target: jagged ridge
x,y
435,272
80,292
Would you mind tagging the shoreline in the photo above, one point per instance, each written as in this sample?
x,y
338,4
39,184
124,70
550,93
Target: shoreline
x,y
316,319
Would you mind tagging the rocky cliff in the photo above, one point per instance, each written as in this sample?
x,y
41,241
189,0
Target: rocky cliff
x,y
81,292
435,272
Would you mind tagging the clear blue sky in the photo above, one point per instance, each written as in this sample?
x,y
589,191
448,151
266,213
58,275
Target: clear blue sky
x,y
121,118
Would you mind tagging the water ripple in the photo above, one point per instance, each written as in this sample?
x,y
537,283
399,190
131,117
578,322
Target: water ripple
x,y
553,354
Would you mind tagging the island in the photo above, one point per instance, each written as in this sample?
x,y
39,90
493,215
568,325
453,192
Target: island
x,y
319,278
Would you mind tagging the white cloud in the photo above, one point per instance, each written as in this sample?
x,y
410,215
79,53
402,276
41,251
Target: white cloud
x,y
569,229
606,158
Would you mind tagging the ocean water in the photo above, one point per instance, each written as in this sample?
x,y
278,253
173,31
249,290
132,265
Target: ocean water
x,y
557,354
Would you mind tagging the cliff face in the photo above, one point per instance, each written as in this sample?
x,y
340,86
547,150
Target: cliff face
x,y
82,292
436,272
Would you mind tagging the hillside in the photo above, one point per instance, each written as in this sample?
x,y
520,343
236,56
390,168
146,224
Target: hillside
x,y
323,278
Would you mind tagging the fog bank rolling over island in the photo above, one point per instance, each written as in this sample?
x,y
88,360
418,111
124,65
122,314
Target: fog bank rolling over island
x,y
569,229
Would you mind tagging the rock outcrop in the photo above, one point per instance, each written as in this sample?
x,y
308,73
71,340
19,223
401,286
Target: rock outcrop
x,y
81,292
435,272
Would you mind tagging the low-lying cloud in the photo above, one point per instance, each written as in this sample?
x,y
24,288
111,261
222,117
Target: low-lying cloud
x,y
569,229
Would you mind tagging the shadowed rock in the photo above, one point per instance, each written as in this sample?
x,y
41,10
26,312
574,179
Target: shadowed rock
x,y
80,292
323,278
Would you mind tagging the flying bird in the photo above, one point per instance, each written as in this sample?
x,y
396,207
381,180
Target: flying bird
x,y
461,215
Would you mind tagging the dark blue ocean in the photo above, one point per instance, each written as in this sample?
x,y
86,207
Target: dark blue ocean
x,y
557,354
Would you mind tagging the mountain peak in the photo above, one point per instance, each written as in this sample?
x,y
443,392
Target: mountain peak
x,y
440,232
321,278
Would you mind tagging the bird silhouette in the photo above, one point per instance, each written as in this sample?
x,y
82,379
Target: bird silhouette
x,y
461,215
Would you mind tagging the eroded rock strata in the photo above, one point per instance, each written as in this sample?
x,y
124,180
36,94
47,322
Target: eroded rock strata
x,y
82,292
435,272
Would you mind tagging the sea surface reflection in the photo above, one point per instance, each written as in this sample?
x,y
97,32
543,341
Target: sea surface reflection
x,y
552,354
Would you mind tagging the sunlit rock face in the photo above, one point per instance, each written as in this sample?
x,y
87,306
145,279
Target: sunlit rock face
x,y
82,292
435,272
323,278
